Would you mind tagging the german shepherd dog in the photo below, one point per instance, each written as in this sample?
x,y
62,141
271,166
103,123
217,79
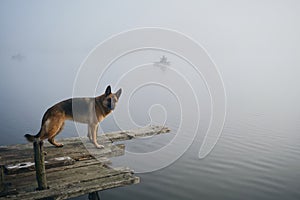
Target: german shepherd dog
x,y
90,111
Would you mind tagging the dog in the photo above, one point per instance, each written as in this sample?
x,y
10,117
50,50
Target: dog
x,y
90,111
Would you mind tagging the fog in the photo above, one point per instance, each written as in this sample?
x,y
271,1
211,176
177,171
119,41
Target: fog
x,y
255,45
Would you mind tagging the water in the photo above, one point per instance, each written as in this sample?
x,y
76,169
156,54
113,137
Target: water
x,y
255,158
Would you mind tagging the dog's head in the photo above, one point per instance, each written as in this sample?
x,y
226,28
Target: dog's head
x,y
111,99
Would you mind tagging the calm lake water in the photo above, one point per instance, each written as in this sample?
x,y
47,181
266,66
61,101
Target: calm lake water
x,y
257,157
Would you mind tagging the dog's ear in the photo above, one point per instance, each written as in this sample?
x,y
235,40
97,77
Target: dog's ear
x,y
108,91
118,93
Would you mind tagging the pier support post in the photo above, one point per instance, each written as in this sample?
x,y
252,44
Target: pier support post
x,y
39,161
94,196
1,178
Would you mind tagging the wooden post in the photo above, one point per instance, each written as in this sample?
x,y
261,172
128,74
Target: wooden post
x,y
94,196
1,178
40,164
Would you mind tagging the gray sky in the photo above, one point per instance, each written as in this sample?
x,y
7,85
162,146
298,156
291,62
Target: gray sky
x,y
255,45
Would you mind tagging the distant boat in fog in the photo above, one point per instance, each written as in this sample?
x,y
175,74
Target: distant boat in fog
x,y
163,63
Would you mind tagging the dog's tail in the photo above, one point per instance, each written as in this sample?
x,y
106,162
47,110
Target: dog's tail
x,y
32,138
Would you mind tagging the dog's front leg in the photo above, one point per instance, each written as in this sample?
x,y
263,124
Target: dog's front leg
x,y
93,128
89,134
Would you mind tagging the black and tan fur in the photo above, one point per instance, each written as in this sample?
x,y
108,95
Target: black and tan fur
x,y
90,111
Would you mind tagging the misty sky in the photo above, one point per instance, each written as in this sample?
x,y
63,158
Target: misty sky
x,y
255,45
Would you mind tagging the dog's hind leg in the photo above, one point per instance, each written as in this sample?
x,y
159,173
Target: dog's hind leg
x,y
52,128
52,141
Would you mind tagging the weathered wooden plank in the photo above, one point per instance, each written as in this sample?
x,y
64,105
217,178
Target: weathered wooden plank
x,y
14,155
62,189
136,133
85,163
29,166
26,181
56,157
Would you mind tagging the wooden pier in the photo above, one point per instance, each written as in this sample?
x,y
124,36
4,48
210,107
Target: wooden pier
x,y
76,169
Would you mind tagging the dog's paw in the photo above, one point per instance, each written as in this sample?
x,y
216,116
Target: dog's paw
x,y
59,145
99,146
